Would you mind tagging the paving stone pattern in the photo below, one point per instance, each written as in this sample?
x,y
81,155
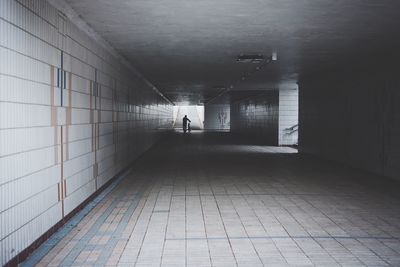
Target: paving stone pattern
x,y
204,200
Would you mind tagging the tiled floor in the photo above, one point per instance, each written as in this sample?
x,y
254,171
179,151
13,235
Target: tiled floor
x,y
203,201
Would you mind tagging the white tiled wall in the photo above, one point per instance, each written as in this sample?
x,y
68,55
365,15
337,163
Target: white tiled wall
x,y
59,144
217,117
288,116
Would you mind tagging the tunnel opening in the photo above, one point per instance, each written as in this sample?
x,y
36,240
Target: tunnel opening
x,y
194,113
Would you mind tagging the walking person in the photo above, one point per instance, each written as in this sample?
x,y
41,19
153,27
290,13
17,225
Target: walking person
x,y
185,121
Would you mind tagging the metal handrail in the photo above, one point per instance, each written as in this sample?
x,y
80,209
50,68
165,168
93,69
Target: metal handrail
x,y
292,129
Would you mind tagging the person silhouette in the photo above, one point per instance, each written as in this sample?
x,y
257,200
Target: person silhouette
x,y
185,121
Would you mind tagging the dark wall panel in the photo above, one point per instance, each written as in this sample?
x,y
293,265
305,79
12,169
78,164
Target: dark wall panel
x,y
257,117
354,120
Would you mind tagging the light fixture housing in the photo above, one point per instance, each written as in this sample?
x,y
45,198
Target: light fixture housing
x,y
274,56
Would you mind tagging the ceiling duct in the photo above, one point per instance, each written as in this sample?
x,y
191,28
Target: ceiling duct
x,y
250,58
257,59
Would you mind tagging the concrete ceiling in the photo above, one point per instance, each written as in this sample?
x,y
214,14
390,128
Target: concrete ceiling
x,y
187,48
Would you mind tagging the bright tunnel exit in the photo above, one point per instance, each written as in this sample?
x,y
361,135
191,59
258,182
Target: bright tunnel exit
x,y
194,113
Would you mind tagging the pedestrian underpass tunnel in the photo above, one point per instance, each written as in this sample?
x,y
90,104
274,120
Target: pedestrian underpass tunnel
x,y
293,158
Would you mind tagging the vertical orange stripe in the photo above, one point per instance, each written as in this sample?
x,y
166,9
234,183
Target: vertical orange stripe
x,y
70,89
98,136
65,188
91,101
66,142
56,144
62,170
52,85
68,115
53,113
